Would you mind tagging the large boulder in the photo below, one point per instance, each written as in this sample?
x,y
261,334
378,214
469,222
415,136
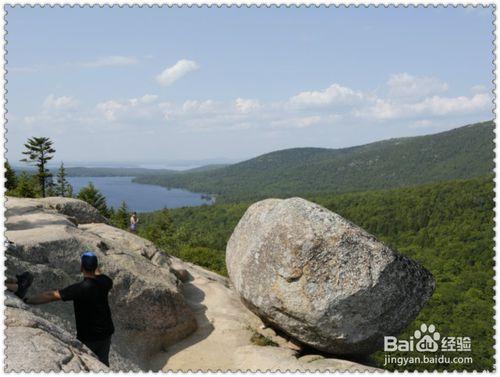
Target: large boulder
x,y
77,209
149,310
321,279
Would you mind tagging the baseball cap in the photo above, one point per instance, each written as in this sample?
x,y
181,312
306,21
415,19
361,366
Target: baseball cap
x,y
89,261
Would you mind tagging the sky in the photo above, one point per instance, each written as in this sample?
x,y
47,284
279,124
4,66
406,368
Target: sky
x,y
167,84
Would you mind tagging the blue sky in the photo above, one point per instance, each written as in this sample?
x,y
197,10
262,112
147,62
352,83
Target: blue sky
x,y
164,84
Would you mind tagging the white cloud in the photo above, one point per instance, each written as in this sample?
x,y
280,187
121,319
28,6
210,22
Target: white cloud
x,y
110,61
199,107
146,98
30,119
422,123
63,102
380,110
246,105
302,122
478,89
111,109
335,94
405,85
177,71
462,105
104,61
435,106
23,69
334,106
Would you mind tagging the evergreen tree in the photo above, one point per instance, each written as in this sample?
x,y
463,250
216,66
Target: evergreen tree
x,y
27,186
10,177
94,197
50,187
39,151
163,232
120,218
63,186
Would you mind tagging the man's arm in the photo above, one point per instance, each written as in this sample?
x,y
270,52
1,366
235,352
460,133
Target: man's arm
x,y
43,298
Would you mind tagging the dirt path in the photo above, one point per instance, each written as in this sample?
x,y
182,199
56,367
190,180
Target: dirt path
x,y
222,341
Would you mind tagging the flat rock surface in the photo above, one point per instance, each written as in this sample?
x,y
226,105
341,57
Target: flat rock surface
x,y
223,339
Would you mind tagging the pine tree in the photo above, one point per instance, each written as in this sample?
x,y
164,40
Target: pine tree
x,y
120,218
50,187
10,177
63,186
161,232
93,196
39,151
27,186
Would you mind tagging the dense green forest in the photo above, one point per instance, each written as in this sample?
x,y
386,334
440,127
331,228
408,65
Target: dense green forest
x,y
447,226
461,153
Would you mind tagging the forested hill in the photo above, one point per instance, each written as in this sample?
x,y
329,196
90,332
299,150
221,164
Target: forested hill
x,y
132,172
115,172
461,153
446,226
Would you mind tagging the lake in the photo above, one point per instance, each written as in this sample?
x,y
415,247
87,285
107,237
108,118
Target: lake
x,y
139,197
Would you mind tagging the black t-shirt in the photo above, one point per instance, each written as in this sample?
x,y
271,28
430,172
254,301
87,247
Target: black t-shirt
x,y
92,313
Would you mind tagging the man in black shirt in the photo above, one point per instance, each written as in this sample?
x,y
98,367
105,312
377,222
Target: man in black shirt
x,y
94,325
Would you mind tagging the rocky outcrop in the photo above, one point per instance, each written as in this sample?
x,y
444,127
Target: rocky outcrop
x,y
34,343
148,307
321,279
73,209
161,323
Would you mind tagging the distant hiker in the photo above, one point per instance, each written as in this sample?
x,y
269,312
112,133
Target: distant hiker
x,y
20,284
133,222
94,325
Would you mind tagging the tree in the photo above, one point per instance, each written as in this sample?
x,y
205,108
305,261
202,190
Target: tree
x,y
10,177
120,217
163,232
93,196
27,186
63,187
50,187
39,151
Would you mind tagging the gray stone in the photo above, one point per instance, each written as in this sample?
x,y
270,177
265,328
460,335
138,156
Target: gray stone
x,y
321,279
33,343
75,209
149,310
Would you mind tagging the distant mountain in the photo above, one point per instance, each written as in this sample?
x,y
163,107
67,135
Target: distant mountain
x,y
114,172
133,172
205,168
461,153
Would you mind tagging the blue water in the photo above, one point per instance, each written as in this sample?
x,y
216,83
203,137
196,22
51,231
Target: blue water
x,y
139,197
